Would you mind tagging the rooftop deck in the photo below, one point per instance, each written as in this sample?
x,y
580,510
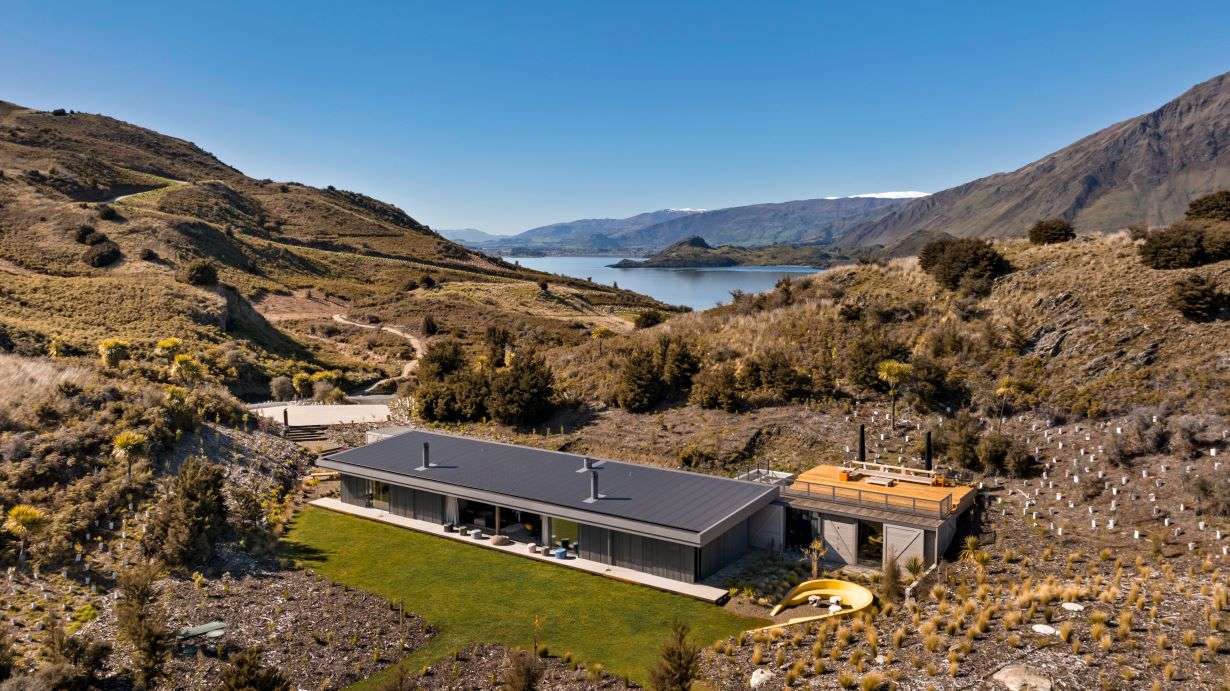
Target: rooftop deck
x,y
824,483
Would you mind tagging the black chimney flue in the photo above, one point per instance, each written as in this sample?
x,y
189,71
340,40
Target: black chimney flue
x,y
426,457
862,443
927,452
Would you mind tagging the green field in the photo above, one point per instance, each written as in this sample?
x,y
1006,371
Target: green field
x,y
472,594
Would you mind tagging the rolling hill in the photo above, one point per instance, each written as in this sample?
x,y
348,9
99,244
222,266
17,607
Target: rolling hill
x,y
100,220
1142,170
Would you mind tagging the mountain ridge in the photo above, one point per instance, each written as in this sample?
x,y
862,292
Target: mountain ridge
x,y
1141,170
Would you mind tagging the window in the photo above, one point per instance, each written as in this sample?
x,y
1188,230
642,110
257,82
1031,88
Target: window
x,y
380,495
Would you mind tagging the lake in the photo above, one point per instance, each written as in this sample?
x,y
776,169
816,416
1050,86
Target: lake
x,y
699,289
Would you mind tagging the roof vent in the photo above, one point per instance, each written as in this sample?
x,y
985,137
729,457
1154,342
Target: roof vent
x,y
588,464
593,487
426,457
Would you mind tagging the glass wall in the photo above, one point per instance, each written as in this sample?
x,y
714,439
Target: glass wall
x,y
565,534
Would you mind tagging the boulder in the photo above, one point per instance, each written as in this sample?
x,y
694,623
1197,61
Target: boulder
x,y
761,677
1022,678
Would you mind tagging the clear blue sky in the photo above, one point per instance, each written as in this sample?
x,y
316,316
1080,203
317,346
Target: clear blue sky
x,y
503,116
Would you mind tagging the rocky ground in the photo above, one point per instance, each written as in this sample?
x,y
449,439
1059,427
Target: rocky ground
x,y
296,618
485,666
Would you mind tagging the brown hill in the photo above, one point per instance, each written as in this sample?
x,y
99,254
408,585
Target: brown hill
x,y
99,217
1142,170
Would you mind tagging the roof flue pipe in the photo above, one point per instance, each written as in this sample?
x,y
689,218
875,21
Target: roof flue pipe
x,y
593,487
927,453
426,457
862,443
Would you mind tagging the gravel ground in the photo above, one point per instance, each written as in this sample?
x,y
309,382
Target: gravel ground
x,y
483,667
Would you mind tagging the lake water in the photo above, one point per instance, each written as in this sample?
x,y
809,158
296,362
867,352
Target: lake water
x,y
697,288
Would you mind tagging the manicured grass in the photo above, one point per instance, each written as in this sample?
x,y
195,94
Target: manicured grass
x,y
472,594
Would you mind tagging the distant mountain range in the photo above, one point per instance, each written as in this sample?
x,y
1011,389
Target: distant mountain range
x,y
1143,170
808,220
467,236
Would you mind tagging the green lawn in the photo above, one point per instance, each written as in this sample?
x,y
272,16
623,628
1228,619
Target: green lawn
x,y
473,594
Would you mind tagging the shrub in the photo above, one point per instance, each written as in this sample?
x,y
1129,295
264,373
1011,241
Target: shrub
x,y
1214,206
679,662
430,328
85,233
244,672
148,255
1051,231
192,518
102,254
964,264
890,580
1195,297
169,346
200,272
772,372
1001,453
638,385
441,359
112,351
679,366
107,213
522,673
138,622
648,318
427,282
716,387
957,440
863,353
1178,247
281,389
459,397
522,394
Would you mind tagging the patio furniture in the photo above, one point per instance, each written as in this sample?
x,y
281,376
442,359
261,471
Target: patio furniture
x,y
450,528
534,548
500,539
559,553
463,530
477,534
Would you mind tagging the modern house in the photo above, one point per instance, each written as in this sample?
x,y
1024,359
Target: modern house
x,y
670,523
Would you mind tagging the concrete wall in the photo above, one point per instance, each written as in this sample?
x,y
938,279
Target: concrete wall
x,y
767,528
841,539
945,534
903,543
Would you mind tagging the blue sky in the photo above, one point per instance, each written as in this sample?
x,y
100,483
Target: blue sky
x,y
503,116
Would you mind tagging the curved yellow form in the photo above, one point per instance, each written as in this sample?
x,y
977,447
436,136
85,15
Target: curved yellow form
x,y
854,598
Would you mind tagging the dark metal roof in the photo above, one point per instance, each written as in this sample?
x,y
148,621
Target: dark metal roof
x,y
670,498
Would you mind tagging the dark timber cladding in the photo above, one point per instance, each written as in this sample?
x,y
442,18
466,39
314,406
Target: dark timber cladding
x,y
670,523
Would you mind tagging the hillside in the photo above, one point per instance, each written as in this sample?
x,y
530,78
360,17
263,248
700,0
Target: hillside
x,y
99,220
694,252
1143,170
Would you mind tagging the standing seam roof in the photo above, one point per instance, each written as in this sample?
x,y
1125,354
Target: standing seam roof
x,y
670,498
